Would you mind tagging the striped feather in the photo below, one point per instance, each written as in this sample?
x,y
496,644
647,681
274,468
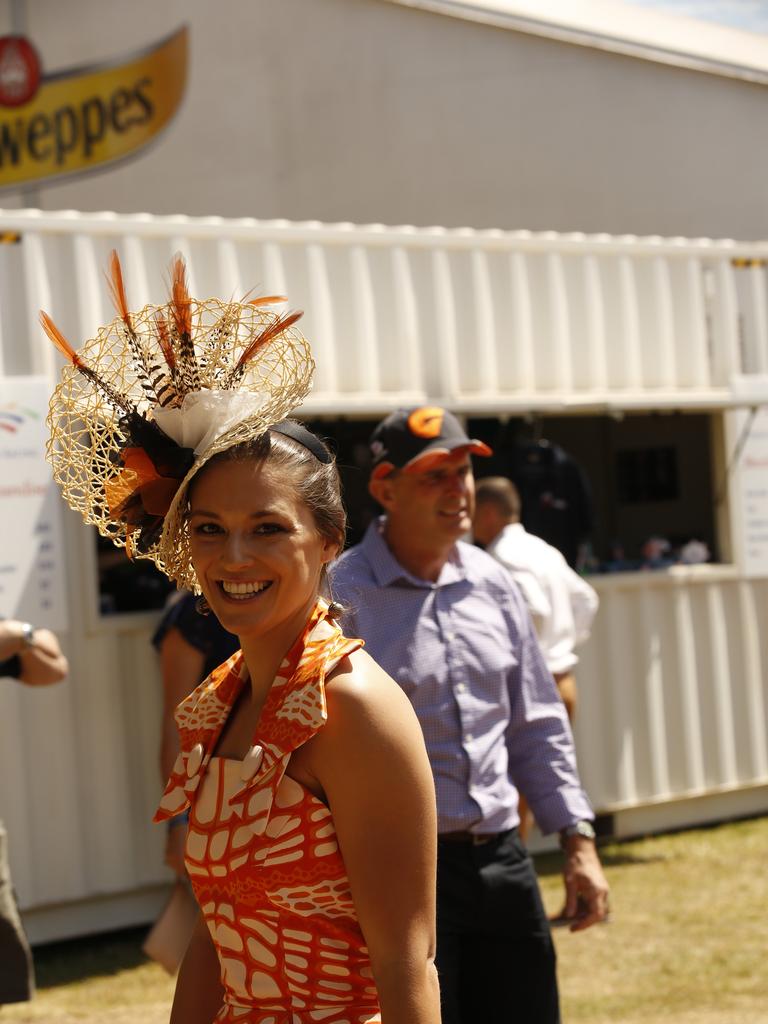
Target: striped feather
x,y
164,338
165,383
61,343
181,309
217,337
117,292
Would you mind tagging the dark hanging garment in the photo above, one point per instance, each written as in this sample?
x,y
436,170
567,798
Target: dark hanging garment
x,y
203,632
556,499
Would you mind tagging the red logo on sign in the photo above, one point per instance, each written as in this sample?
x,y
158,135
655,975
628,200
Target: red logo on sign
x,y
19,71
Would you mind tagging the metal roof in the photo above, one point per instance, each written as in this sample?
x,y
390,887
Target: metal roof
x,y
625,28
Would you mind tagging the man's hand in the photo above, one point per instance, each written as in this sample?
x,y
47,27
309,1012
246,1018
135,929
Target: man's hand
x,y
586,887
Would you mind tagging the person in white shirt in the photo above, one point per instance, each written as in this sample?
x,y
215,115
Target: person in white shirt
x,y
561,603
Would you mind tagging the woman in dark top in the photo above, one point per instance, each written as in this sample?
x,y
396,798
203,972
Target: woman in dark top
x,y
190,646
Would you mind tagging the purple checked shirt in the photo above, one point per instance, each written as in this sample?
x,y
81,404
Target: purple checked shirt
x,y
464,651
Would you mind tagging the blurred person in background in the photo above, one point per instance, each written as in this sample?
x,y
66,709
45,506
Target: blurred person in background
x,y
31,656
561,603
190,645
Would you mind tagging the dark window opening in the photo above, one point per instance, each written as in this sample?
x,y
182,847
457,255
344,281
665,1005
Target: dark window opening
x,y
647,474
126,585
648,481
644,477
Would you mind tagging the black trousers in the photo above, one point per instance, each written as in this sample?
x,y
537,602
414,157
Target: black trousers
x,y
495,956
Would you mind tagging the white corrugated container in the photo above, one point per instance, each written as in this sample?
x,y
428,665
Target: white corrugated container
x,y
672,725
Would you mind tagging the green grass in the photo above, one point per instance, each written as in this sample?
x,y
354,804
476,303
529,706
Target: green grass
x,y
688,936
95,980
687,944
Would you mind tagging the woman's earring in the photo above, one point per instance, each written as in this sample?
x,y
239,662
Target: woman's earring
x,y
202,607
334,608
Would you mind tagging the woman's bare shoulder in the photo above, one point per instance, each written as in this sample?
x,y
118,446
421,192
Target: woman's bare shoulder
x,y
372,725
360,686
361,695
369,723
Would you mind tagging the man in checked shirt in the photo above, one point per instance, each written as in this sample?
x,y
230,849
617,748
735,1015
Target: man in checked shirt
x,y
448,623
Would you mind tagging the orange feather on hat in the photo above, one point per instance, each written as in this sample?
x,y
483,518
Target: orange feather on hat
x,y
268,334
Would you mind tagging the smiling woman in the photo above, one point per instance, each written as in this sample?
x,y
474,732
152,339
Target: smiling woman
x,y
305,905
312,830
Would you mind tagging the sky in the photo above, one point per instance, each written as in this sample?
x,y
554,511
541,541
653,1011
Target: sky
x,y
751,15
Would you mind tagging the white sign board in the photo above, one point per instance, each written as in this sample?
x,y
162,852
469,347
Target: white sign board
x,y
31,556
751,485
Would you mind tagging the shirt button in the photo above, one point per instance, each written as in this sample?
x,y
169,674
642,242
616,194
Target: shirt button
x,y
468,738
461,687
450,636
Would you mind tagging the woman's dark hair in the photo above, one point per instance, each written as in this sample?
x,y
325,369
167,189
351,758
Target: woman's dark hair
x,y
317,483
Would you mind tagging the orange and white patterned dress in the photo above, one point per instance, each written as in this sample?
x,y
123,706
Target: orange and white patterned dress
x,y
261,849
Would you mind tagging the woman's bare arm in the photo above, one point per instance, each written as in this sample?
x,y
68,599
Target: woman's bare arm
x,y
181,667
372,765
199,992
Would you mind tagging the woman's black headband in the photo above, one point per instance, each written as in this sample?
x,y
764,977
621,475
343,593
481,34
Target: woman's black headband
x,y
304,437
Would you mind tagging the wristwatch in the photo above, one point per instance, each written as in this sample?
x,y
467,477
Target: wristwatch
x,y
585,829
27,635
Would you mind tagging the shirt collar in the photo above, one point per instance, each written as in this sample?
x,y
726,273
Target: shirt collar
x,y
387,570
510,530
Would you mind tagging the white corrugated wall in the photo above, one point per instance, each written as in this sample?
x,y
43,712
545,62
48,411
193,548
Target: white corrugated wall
x,y
673,701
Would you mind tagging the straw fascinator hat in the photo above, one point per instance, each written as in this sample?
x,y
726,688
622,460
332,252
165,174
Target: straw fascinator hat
x,y
155,395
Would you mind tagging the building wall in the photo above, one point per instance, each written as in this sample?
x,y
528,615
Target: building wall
x,y
365,111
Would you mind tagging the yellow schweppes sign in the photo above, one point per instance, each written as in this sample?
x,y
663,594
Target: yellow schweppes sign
x,y
87,118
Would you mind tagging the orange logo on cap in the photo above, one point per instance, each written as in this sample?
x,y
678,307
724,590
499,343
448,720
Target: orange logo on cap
x,y
426,421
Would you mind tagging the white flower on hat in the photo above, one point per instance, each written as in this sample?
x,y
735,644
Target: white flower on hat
x,y
204,416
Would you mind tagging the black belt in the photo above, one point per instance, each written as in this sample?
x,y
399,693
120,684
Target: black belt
x,y
473,838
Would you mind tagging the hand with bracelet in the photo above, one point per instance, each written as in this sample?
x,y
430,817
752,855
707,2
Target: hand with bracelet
x,y
31,655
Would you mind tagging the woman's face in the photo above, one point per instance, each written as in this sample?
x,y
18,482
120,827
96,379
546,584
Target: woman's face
x,y
256,549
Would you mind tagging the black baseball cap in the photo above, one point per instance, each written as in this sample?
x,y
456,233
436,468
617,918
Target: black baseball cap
x,y
416,440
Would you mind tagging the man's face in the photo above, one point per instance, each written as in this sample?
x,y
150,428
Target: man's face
x,y
436,506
